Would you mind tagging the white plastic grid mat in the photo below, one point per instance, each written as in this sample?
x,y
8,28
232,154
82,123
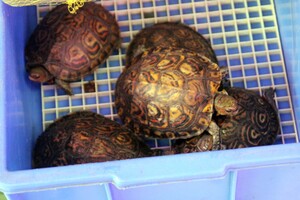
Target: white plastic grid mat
x,y
243,33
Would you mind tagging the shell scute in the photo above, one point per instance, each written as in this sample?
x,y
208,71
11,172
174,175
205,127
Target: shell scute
x,y
255,124
169,34
172,94
77,42
85,137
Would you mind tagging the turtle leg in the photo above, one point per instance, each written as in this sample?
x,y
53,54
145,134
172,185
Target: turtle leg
x,y
225,82
224,71
268,95
214,130
64,85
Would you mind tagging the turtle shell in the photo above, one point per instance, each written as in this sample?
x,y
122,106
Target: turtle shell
x,y
85,137
70,46
256,122
169,34
168,93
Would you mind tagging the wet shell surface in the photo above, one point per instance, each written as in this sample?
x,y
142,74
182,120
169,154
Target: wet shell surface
x,y
87,137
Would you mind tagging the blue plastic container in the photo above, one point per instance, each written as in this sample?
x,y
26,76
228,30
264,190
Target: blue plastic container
x,y
269,172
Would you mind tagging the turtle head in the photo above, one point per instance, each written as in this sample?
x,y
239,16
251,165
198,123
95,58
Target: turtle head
x,y
39,74
225,104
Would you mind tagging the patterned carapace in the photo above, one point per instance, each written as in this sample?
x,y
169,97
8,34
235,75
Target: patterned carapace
x,y
168,93
255,124
169,34
69,46
85,137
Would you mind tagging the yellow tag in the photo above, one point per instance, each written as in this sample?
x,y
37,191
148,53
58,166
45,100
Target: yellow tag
x,y
74,5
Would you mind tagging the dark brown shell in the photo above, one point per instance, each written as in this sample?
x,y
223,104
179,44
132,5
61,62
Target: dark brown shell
x,y
85,137
71,46
255,124
169,34
168,93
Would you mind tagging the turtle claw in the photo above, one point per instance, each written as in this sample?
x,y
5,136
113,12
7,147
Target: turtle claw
x,y
224,71
225,82
65,86
216,144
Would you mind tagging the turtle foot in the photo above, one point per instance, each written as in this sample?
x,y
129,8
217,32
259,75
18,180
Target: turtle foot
x,y
214,130
65,86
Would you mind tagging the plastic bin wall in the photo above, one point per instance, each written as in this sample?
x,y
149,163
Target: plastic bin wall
x,y
270,172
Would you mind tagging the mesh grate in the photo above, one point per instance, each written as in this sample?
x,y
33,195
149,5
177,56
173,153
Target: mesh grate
x,y
243,33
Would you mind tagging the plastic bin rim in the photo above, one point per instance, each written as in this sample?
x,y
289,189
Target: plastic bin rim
x,y
149,171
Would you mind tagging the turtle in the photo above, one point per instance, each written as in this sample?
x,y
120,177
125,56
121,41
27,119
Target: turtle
x,y
200,143
169,34
171,93
65,47
87,137
255,124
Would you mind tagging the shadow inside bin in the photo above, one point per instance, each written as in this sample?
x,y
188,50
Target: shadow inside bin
x,y
22,97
